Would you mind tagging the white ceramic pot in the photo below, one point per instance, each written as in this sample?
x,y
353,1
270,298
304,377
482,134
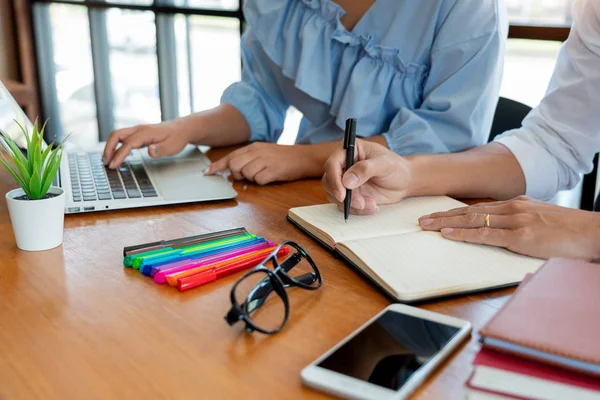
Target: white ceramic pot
x,y
37,224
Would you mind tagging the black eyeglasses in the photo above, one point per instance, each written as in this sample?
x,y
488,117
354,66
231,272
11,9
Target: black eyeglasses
x,y
262,286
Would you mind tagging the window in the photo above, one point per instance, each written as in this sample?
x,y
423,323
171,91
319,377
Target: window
x,y
529,61
528,66
539,12
108,64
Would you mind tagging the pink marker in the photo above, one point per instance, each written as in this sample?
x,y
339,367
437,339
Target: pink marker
x,y
209,256
161,276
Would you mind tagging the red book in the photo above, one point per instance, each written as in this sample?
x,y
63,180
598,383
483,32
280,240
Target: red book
x,y
500,375
552,318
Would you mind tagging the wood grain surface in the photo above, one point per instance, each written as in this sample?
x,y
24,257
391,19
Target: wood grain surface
x,y
75,324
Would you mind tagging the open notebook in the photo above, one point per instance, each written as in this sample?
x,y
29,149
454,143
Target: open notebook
x,y
407,263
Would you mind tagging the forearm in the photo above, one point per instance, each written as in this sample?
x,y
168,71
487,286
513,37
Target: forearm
x,y
221,126
486,171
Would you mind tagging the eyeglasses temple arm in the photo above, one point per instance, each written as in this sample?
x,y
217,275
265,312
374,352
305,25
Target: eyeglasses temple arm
x,y
290,262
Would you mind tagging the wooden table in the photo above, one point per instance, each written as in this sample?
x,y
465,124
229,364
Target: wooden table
x,y
75,324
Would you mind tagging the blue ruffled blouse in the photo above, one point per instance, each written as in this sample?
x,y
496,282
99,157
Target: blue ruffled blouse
x,y
425,74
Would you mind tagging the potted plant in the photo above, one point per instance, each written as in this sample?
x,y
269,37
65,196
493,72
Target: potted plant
x,y
36,209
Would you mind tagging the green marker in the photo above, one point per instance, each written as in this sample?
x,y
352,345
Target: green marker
x,y
139,259
128,260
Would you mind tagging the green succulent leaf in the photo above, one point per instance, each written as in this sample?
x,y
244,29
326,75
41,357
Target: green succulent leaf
x,y
32,147
11,169
10,146
24,131
46,152
18,178
35,185
51,170
17,157
37,155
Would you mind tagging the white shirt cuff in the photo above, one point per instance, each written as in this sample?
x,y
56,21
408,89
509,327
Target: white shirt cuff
x,y
539,167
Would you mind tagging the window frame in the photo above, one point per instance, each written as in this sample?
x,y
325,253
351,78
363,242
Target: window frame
x,y
164,11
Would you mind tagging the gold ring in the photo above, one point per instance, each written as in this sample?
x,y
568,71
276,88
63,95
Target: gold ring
x,y
487,221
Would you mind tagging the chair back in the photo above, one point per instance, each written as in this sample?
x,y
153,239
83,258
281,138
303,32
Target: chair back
x,y
509,115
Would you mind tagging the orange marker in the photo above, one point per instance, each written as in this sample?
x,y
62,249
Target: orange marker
x,y
172,278
212,274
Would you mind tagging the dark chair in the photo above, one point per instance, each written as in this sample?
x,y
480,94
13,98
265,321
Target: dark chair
x,y
588,190
509,115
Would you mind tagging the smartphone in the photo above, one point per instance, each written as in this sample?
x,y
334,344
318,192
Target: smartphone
x,y
389,356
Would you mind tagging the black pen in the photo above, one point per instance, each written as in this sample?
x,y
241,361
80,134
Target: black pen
x,y
349,141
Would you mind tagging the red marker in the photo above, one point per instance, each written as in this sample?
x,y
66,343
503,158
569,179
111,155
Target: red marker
x,y
211,275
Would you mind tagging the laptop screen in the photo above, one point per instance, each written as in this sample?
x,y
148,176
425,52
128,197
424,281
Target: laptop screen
x,y
10,114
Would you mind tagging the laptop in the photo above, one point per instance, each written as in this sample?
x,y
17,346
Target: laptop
x,y
141,181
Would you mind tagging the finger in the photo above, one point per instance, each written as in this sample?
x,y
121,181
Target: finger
x,y
484,208
139,139
334,200
223,163
370,208
358,202
489,236
218,166
237,175
266,176
332,179
471,220
114,139
362,171
238,161
355,211
370,203
520,204
168,147
250,170
504,202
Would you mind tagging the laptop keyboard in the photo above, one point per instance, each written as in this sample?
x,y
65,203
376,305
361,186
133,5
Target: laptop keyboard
x,y
91,180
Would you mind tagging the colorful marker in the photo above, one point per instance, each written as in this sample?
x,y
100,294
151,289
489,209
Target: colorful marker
x,y
172,275
235,251
140,248
137,259
211,275
151,267
197,253
159,275
166,254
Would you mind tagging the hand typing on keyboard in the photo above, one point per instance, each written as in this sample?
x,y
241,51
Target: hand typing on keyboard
x,y
91,180
162,140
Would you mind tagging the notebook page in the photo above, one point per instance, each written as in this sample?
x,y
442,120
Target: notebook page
x,y
391,219
423,264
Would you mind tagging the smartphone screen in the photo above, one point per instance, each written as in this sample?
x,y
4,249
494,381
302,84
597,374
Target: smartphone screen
x,y
390,350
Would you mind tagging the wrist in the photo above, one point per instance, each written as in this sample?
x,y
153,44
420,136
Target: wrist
x,y
422,177
191,128
314,156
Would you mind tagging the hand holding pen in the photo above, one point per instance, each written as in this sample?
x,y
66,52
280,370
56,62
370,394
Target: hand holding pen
x,y
378,176
349,142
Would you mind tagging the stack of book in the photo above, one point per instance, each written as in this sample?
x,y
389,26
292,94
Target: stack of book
x,y
545,342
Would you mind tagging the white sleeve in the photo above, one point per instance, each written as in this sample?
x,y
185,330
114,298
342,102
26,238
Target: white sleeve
x,y
559,138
